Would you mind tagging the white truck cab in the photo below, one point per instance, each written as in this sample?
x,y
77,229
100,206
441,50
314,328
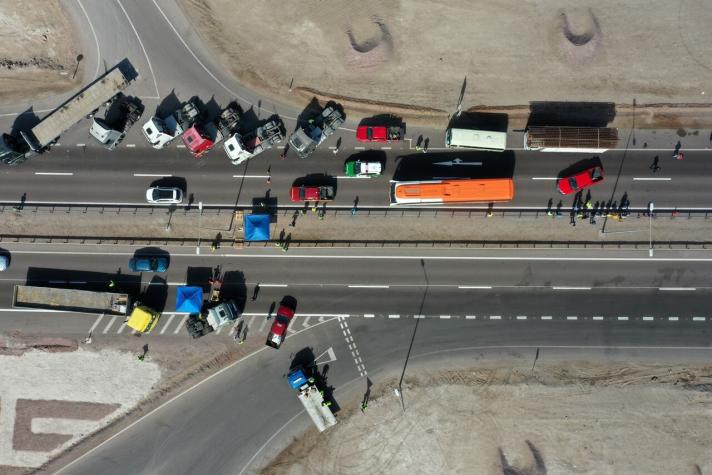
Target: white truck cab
x,y
161,132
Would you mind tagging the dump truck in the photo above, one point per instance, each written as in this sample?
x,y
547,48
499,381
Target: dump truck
x,y
160,132
312,398
215,314
201,138
571,139
242,147
141,318
306,139
121,115
15,150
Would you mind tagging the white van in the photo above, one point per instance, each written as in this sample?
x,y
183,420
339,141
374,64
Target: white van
x,y
479,139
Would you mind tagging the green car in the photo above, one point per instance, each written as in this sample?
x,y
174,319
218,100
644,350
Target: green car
x,y
363,168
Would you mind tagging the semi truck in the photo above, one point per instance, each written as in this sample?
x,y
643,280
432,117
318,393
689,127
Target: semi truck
x,y
571,139
141,318
120,116
201,138
312,399
306,139
242,147
215,314
160,132
15,150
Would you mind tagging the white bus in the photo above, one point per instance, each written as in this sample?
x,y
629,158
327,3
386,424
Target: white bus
x,y
473,138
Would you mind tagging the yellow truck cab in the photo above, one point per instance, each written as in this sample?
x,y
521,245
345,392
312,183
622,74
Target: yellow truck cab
x,y
143,319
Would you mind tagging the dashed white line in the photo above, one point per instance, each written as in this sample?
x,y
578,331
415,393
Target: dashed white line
x,y
393,316
571,317
546,317
470,317
159,175
698,319
130,145
359,148
180,146
180,324
648,319
651,179
55,173
597,317
673,319
168,323
418,316
678,288
81,145
570,288
369,286
386,148
445,317
480,287
495,317
623,318
369,315
521,317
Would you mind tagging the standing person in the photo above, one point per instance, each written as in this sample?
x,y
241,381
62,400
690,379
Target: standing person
x,y
269,174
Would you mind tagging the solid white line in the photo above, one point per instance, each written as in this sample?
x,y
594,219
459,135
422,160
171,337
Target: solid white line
x,y
153,174
445,317
546,317
55,173
369,315
180,324
572,317
168,323
570,288
96,40
698,319
96,323
651,179
393,316
155,83
481,287
543,178
678,288
274,285
251,176
368,286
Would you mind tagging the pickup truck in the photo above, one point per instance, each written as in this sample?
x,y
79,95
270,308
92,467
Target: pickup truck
x,y
379,133
311,193
278,332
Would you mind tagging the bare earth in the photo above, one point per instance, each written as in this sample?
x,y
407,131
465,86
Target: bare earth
x,y
585,418
39,50
418,52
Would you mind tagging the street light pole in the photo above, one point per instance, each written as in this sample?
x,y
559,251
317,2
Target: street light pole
x,y
651,208
200,225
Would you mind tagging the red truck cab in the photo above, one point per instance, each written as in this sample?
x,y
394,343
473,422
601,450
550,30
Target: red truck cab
x,y
197,141
276,334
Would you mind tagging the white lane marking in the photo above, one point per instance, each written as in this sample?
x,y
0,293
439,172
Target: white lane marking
x,y
572,317
481,287
130,145
305,323
55,173
521,317
358,286
153,174
698,319
180,324
418,316
96,40
673,319
470,317
648,319
77,281
96,322
251,176
81,145
262,325
651,179
544,178
180,145
359,147
121,328
393,316
217,332
598,317
252,320
369,315
623,318
155,83
495,317
111,322
445,317
546,317
386,148
570,288
167,324
677,288
274,285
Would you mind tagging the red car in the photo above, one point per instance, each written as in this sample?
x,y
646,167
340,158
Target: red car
x,y
276,334
579,181
378,133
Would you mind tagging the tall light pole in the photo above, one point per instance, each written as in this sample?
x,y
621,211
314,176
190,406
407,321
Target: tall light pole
x,y
200,225
651,208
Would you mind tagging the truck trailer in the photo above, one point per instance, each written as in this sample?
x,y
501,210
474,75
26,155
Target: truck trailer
x,y
15,150
71,300
571,139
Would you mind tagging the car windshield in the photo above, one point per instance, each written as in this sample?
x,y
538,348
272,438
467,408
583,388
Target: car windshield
x,y
572,183
282,320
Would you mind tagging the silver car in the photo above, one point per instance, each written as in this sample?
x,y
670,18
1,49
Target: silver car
x,y
160,195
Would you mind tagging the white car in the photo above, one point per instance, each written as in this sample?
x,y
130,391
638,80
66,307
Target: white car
x,y
160,195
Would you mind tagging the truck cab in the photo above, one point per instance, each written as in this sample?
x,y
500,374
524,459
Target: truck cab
x,y
306,139
143,319
160,132
222,314
198,139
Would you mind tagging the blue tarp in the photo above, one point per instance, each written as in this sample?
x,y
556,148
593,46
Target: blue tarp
x,y
189,299
257,227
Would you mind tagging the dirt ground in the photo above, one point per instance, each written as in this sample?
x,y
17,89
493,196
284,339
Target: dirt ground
x,y
429,53
583,418
39,51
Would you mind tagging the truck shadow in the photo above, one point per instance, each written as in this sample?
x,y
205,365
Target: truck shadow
x,y
168,105
234,288
571,114
156,294
24,122
199,277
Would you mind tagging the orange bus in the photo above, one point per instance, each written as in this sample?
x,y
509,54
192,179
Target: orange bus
x,y
468,190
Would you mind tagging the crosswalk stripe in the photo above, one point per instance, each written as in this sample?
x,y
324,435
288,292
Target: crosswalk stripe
x,y
263,325
96,322
121,328
305,323
168,323
180,324
111,322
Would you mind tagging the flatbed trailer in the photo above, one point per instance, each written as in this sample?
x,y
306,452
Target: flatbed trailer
x,y
312,399
571,139
71,300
